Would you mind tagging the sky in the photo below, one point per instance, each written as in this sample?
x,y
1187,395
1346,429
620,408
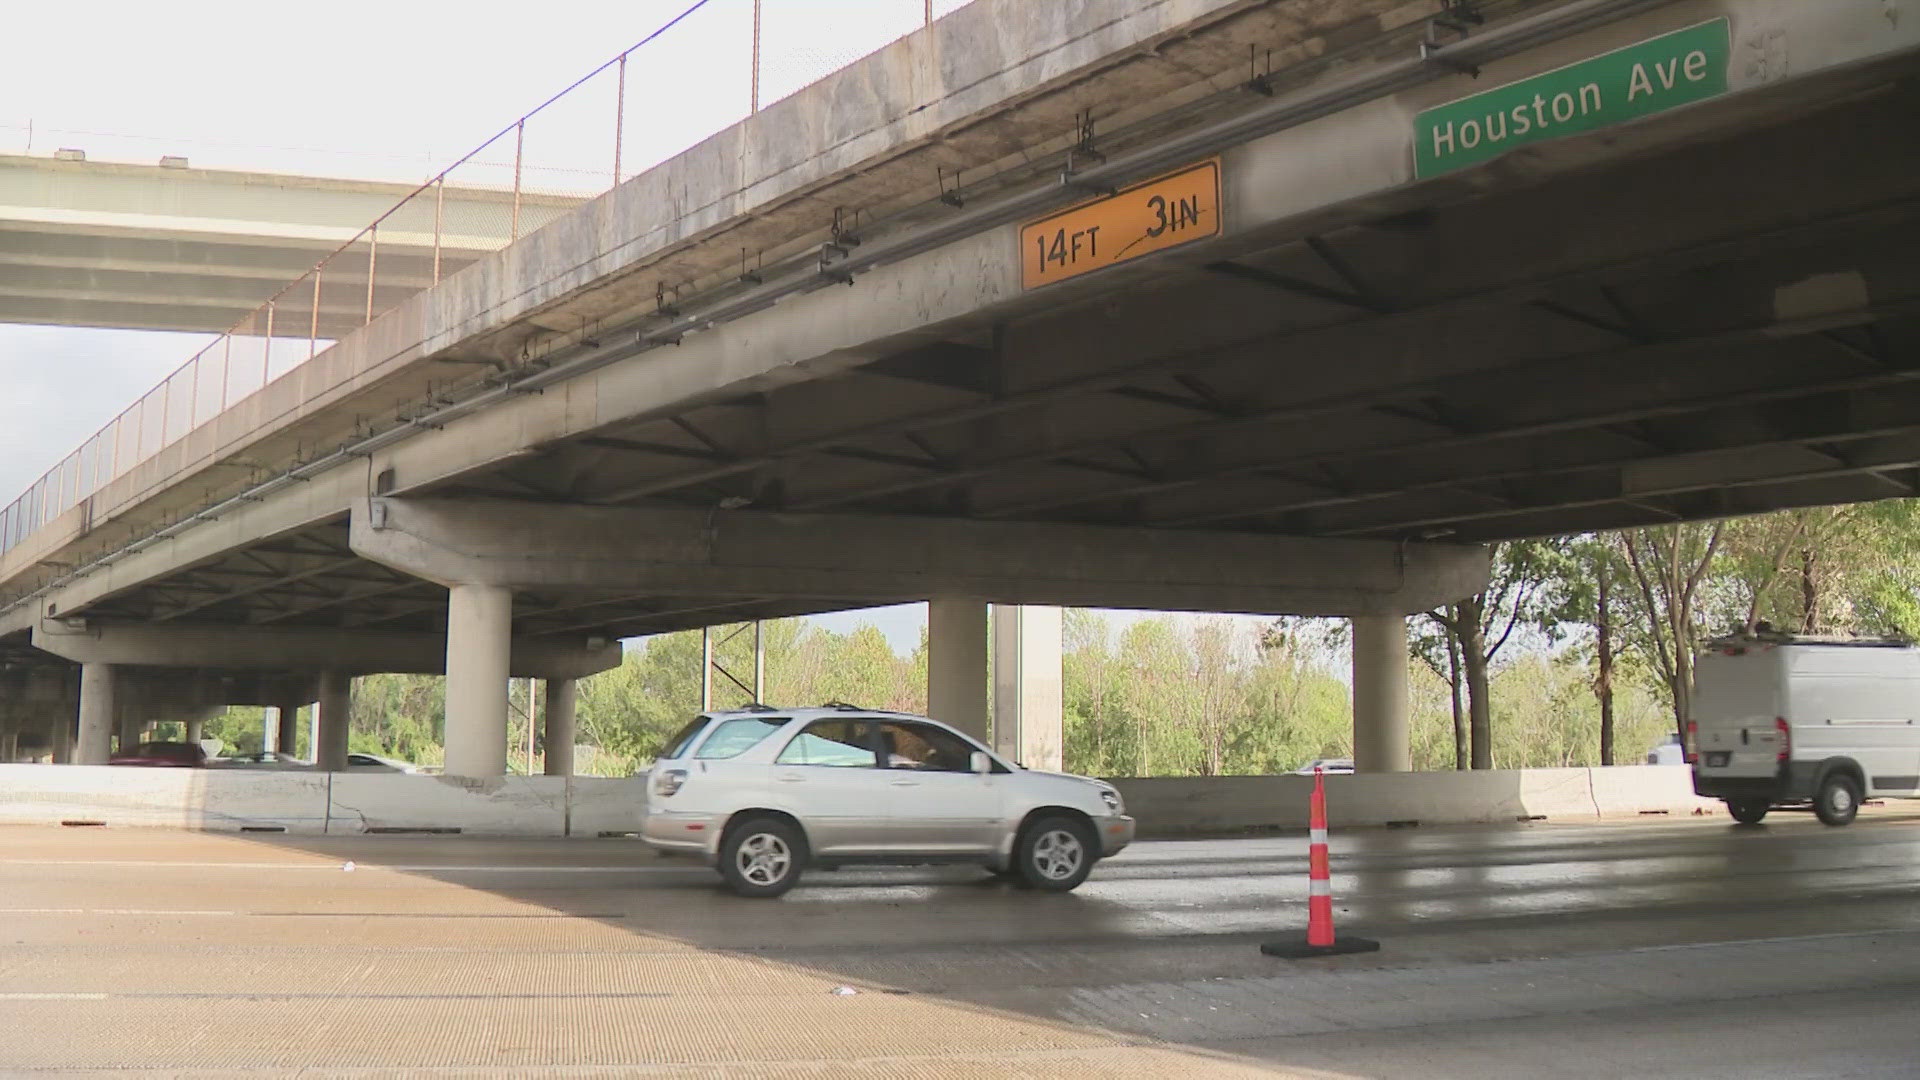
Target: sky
x,y
372,90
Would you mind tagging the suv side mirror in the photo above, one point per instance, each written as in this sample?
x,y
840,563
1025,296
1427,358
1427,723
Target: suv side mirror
x,y
980,763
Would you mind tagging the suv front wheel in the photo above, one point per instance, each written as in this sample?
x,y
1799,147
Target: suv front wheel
x,y
1055,854
761,856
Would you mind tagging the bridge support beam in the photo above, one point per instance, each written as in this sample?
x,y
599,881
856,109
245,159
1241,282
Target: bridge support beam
x,y
875,559
1027,701
286,727
479,636
1380,735
957,664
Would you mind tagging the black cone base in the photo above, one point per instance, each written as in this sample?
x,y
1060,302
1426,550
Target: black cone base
x,y
1296,948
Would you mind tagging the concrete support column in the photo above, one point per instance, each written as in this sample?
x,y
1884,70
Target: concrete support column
x,y
94,745
1026,684
286,727
1380,739
334,708
957,664
60,748
563,696
196,727
479,643
130,726
9,744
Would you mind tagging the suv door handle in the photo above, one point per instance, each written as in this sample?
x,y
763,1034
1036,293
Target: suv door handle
x,y
906,783
790,778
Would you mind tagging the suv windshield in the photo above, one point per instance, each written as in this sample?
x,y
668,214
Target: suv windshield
x,y
678,744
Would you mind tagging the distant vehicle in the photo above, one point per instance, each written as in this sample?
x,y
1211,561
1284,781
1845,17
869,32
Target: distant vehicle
x,y
1668,753
376,763
355,762
1787,720
762,793
165,755
1330,766
270,759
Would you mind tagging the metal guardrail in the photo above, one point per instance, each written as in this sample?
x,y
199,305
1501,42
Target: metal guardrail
x,y
577,144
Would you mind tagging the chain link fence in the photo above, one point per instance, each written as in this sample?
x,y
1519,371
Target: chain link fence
x,y
616,121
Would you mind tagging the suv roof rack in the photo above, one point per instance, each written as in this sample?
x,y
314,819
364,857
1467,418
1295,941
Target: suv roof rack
x,y
843,706
757,706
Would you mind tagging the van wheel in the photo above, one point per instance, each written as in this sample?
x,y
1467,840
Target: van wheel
x,y
1055,854
1838,799
761,857
1748,811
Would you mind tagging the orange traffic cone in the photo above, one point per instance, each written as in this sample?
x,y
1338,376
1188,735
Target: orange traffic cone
x,y
1320,940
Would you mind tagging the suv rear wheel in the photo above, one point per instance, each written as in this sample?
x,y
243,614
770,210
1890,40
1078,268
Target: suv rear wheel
x,y
1748,811
1838,799
1055,854
761,856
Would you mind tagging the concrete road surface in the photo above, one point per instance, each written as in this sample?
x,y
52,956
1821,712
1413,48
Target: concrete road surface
x,y
1661,948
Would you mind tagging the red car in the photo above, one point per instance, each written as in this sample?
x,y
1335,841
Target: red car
x,y
170,755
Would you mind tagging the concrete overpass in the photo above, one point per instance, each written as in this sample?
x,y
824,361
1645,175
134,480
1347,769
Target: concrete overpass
x,y
170,247
1373,348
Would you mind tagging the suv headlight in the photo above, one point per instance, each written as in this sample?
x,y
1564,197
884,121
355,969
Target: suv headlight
x,y
669,781
1112,799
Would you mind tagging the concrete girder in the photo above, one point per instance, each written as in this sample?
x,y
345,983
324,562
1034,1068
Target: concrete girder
x,y
307,650
889,559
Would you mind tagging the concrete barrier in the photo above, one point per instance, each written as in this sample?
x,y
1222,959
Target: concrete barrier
x,y
307,802
499,806
1226,805
165,798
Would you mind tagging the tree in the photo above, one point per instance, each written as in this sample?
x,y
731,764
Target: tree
x,y
1669,563
1525,589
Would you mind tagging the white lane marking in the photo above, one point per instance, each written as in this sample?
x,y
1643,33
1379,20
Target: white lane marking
x,y
335,867
53,997
112,911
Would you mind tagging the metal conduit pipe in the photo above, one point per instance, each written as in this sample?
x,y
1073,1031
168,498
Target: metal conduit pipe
x,y
805,275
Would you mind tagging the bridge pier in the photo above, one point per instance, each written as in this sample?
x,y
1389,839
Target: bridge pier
x,y
284,732
335,710
957,664
559,734
1381,742
1026,685
479,640
95,744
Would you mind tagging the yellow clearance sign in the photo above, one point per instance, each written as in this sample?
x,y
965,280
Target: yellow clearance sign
x,y
1153,216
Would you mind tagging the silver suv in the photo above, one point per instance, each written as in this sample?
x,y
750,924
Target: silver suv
x,y
761,793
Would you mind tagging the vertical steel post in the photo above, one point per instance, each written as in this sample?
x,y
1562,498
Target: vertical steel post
x,y
619,118
532,710
373,259
759,663
313,325
706,668
166,409
519,148
439,201
756,56
266,354
226,366
929,21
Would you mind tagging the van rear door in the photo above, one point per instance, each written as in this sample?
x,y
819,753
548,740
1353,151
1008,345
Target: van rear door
x,y
1736,709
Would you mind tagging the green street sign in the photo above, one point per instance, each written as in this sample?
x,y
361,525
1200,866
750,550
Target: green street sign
x,y
1632,81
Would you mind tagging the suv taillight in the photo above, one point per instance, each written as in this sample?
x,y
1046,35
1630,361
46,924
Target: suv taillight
x,y
1692,749
1785,733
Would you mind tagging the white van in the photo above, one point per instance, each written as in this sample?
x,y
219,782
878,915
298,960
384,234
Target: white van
x,y
1784,720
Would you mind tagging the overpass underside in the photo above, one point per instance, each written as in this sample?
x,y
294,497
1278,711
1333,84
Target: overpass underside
x,y
1724,326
